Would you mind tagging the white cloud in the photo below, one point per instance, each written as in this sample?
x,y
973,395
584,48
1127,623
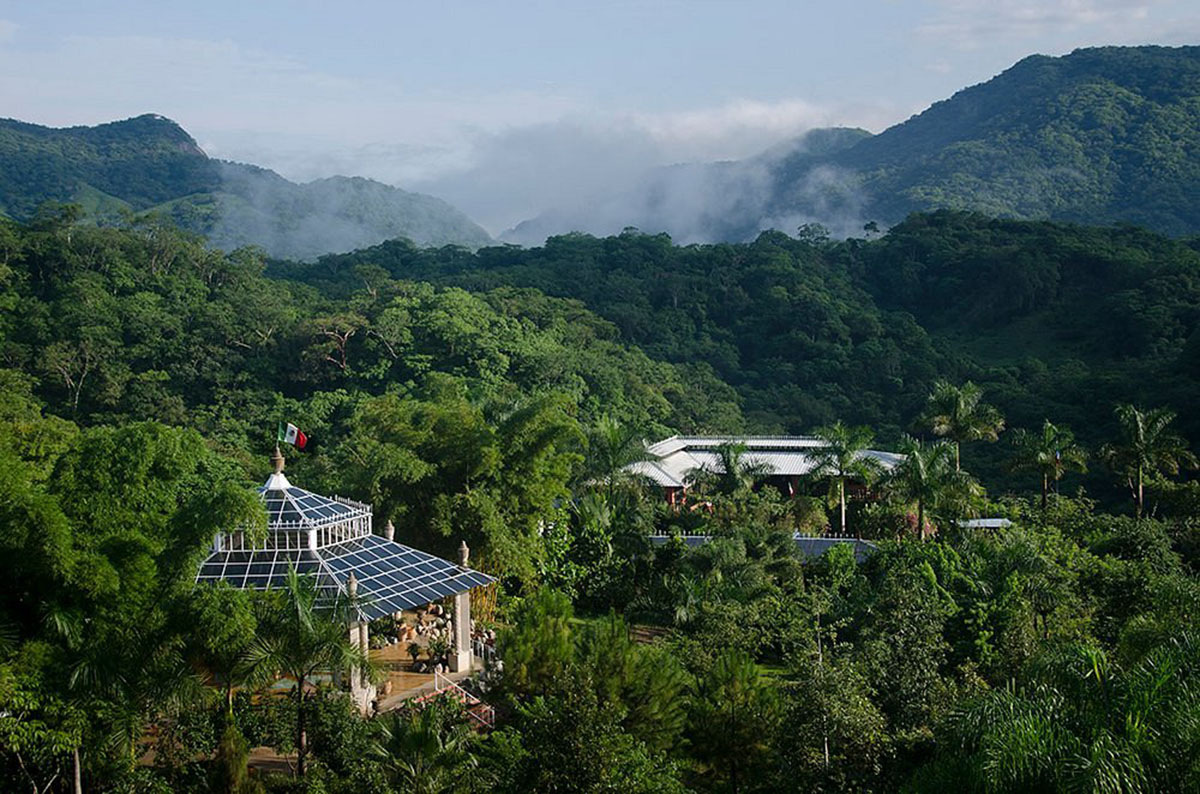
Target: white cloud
x,y
974,24
502,156
519,172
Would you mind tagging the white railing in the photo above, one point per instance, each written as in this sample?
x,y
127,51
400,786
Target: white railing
x,y
483,714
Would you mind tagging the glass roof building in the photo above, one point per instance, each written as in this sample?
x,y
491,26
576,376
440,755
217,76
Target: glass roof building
x,y
332,539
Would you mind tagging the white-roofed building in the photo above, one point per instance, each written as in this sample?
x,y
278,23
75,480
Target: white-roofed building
x,y
673,462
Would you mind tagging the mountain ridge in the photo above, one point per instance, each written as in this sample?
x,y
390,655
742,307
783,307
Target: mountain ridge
x,y
1101,135
151,164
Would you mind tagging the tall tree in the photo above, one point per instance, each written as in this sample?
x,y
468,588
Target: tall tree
x,y
927,478
842,457
734,717
223,632
1147,448
537,648
612,447
304,634
958,413
1052,453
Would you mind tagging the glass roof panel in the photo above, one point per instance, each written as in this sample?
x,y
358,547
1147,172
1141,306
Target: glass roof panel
x,y
391,576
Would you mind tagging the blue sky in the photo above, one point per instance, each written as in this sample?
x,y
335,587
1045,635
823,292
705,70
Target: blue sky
x,y
503,107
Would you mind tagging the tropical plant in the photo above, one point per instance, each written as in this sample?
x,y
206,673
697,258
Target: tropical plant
x,y
1051,453
733,472
305,632
1147,448
140,675
927,478
842,457
1082,720
959,414
427,750
612,448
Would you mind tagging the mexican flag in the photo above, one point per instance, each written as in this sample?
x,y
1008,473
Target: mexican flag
x,y
291,434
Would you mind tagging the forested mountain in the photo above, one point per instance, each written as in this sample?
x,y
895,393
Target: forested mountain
x,y
150,164
1101,135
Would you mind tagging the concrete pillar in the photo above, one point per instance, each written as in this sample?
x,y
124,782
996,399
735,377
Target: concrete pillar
x,y
461,657
362,692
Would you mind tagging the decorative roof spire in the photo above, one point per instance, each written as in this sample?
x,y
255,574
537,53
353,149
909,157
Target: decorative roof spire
x,y
277,460
464,554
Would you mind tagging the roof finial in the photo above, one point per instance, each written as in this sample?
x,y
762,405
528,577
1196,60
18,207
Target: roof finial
x,y
277,460
464,554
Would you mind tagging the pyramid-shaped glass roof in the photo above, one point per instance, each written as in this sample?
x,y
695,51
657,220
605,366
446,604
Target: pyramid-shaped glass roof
x,y
331,539
287,504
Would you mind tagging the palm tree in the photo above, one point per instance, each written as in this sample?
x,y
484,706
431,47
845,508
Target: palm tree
x,y
1147,448
141,675
303,634
426,752
842,456
612,448
1052,453
957,413
925,476
733,472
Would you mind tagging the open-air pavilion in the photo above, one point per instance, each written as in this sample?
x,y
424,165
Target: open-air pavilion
x,y
333,540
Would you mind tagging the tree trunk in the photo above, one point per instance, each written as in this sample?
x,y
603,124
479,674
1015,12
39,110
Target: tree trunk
x,y
78,772
957,450
921,519
1140,493
821,664
842,501
1045,490
301,738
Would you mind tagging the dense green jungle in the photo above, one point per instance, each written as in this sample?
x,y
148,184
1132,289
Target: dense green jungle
x,y
1040,372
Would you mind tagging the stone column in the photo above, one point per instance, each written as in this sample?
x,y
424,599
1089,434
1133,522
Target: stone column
x,y
461,657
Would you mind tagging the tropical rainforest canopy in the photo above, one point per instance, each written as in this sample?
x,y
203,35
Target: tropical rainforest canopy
x,y
1033,371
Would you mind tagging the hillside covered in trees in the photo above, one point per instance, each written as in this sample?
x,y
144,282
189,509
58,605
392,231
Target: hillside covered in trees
x,y
149,164
1102,135
496,397
1053,320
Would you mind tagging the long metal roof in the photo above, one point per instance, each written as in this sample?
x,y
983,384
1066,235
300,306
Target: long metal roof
x,y
809,546
676,458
